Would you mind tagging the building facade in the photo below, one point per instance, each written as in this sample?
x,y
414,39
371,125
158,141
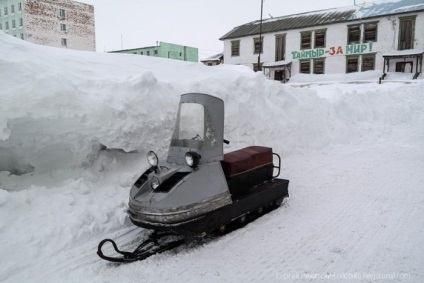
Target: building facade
x,y
166,50
340,40
59,23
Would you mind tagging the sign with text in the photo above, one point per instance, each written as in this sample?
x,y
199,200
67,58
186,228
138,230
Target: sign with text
x,y
335,50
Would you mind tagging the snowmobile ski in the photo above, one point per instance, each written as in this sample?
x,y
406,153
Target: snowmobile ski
x,y
155,244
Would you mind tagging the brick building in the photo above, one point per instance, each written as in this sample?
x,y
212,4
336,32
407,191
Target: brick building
x,y
59,23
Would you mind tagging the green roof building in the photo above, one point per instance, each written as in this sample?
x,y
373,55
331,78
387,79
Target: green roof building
x,y
166,50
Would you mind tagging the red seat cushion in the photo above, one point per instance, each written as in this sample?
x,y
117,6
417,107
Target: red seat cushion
x,y
246,159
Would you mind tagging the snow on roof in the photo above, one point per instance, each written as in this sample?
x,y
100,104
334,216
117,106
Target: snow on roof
x,y
408,52
276,64
328,16
215,57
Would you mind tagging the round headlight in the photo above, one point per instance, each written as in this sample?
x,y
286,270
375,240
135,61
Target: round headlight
x,y
154,183
152,158
192,159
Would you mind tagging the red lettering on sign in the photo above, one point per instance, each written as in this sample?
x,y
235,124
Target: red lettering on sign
x,y
339,50
332,51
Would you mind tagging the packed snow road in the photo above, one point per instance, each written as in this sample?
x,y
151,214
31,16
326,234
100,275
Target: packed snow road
x,y
354,212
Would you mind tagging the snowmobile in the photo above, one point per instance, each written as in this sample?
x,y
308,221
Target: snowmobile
x,y
199,189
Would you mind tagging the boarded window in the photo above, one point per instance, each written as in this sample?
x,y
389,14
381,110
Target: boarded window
x,y
280,47
319,66
352,64
370,32
406,33
353,34
258,44
235,48
305,66
319,38
305,40
368,62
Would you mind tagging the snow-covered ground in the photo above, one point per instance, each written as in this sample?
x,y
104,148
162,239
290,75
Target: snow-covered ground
x,y
75,127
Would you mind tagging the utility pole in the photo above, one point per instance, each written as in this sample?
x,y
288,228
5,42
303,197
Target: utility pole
x,y
260,38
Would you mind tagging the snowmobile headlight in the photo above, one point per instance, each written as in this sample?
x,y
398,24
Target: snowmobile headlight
x,y
154,183
152,158
192,159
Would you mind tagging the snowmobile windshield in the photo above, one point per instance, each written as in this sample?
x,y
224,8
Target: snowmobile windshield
x,y
193,128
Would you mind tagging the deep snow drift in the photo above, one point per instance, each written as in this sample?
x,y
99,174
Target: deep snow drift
x,y
75,126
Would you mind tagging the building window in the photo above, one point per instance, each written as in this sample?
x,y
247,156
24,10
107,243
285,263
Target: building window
x,y
235,48
62,13
319,66
21,22
148,53
257,68
368,62
13,24
258,45
62,27
353,34
305,66
280,47
319,38
19,6
155,52
22,36
1,26
352,64
370,32
406,33
5,11
64,42
12,9
141,53
6,25
306,40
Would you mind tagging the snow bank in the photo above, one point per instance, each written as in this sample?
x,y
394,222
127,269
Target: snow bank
x,y
74,128
60,107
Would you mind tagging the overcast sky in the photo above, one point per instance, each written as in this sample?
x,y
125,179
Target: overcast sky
x,y
196,23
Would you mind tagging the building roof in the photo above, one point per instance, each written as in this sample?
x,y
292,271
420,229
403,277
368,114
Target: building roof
x,y
216,57
326,17
404,53
276,64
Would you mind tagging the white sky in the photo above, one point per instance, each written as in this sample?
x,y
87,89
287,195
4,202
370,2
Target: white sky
x,y
196,23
